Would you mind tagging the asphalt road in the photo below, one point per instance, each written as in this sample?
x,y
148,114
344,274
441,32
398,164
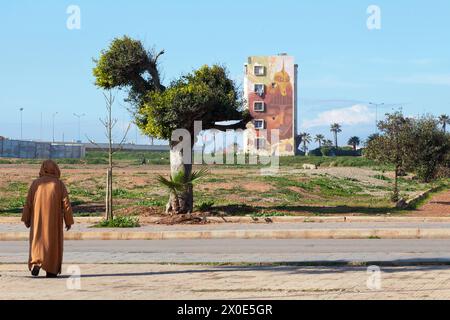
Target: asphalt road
x,y
251,251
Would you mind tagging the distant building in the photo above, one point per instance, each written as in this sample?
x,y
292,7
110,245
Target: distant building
x,y
270,89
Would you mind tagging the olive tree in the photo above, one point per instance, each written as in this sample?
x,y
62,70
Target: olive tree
x,y
415,145
207,95
393,145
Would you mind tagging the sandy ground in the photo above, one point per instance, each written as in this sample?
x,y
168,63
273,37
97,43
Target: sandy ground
x,y
205,282
438,206
141,179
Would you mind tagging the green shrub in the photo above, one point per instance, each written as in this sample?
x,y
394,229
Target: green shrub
x,y
119,222
382,177
150,203
205,206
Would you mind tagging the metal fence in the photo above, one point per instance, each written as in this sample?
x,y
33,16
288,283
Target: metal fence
x,y
40,150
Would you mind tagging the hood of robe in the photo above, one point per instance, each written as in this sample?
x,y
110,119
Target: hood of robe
x,y
50,169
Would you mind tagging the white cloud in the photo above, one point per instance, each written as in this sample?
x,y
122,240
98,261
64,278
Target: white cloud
x,y
354,115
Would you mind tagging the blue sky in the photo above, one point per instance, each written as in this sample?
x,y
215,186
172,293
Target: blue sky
x,y
45,67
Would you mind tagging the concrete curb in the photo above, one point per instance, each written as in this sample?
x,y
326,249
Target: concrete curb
x,y
419,197
406,233
297,219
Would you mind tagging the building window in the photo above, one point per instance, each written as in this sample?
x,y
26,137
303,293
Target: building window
x,y
260,143
259,71
259,89
259,106
259,124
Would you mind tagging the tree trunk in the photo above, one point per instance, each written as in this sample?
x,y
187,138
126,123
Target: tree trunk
x,y
111,212
109,203
396,196
107,195
181,202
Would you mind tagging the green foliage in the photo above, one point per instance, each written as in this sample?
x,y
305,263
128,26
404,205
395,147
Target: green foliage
x,y
119,222
432,146
344,161
133,157
354,142
150,203
206,95
205,206
180,182
382,177
444,121
371,138
119,64
335,152
305,139
127,65
320,139
393,145
335,128
416,145
126,194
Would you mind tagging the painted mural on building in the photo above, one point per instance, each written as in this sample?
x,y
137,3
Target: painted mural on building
x,y
270,86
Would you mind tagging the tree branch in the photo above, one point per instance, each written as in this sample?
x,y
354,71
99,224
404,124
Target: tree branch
x,y
240,125
123,140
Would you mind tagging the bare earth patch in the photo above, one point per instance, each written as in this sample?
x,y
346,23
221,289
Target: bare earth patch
x,y
438,206
234,191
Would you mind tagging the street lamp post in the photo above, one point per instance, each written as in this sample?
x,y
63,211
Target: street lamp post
x,y
79,116
377,105
53,116
21,123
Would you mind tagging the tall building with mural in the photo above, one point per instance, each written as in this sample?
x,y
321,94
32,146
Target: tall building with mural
x,y
270,89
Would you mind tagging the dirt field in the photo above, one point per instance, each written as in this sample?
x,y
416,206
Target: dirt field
x,y
438,206
227,190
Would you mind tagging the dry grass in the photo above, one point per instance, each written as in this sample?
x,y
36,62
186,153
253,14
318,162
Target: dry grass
x,y
233,190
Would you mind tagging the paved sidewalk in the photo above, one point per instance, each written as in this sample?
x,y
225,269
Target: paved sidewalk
x,y
205,282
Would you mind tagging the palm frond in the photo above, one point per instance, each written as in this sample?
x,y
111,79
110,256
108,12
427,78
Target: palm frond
x,y
180,181
169,183
197,175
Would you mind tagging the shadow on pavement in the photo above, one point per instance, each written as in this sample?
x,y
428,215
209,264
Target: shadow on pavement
x,y
300,268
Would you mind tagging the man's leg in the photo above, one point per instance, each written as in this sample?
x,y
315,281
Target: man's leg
x,y
51,275
35,270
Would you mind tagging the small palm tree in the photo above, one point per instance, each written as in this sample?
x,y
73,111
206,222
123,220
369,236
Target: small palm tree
x,y
354,142
372,137
444,120
180,183
336,128
306,140
320,138
327,143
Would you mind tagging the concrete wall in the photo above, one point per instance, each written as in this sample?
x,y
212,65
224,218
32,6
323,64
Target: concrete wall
x,y
126,147
40,150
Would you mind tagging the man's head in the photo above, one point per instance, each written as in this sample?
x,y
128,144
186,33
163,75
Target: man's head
x,y
49,168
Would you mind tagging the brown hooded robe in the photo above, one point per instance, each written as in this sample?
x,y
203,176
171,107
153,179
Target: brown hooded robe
x,y
46,207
